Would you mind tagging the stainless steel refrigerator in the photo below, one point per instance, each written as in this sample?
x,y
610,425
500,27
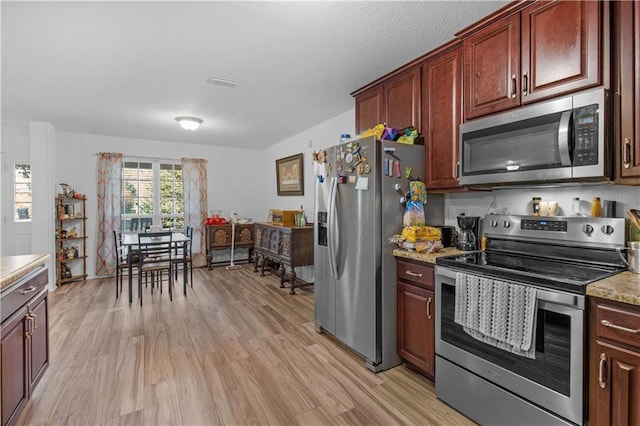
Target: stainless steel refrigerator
x,y
357,207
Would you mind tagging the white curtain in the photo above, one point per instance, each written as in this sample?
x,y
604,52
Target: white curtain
x,y
194,179
109,190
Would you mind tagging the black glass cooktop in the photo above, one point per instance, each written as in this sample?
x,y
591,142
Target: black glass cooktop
x,y
544,272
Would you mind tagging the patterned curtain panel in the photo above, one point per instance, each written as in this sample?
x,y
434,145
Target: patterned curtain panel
x,y
109,190
194,178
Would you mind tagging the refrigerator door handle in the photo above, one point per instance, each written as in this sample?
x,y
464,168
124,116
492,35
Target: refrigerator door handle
x,y
332,234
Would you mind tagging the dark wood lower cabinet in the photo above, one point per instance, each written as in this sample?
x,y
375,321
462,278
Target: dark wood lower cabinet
x,y
614,364
15,384
416,315
24,346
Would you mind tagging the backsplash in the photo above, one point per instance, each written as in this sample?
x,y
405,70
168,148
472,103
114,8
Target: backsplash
x,y
518,200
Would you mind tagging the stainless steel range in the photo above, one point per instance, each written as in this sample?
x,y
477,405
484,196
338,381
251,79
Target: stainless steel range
x,y
552,259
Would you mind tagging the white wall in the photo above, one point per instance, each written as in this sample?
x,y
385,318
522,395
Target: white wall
x,y
321,136
238,180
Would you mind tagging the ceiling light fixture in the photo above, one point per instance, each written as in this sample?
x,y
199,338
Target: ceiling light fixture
x,y
189,123
220,81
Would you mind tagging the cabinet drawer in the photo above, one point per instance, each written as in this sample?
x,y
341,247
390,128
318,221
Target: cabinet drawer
x,y
617,322
30,287
415,272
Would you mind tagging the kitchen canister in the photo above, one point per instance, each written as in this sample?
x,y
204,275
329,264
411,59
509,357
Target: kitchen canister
x,y
596,207
535,206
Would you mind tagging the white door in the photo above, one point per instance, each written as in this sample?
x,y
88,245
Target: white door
x,y
16,224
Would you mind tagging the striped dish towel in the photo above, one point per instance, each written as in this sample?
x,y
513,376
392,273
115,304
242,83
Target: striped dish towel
x,y
497,313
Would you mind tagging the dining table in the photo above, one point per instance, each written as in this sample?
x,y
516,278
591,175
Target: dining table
x,y
130,241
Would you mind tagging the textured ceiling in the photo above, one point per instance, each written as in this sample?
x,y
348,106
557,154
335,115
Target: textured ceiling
x,y
128,68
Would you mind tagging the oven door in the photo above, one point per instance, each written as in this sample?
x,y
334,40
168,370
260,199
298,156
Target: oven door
x,y
553,380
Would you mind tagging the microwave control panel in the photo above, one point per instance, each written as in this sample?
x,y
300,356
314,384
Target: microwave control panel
x,y
585,150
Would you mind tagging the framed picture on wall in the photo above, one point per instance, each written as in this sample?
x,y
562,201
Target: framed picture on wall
x,y
290,175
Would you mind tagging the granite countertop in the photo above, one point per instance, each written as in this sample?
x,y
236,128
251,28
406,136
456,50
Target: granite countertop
x,y
623,287
427,257
12,268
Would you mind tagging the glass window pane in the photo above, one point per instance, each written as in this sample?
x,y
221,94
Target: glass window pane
x,y
142,204
22,196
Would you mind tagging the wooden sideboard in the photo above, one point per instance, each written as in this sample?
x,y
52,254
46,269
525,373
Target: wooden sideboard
x,y
287,246
219,238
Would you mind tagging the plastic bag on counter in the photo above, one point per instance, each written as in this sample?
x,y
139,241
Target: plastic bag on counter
x,y
413,214
414,234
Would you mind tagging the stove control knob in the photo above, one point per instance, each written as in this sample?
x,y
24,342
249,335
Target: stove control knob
x,y
506,224
493,223
607,229
587,229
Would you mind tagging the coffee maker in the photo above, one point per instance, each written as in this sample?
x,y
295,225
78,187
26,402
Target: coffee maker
x,y
468,236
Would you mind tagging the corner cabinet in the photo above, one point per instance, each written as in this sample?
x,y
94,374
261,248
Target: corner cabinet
x,y
416,315
614,363
626,27
393,99
71,239
544,50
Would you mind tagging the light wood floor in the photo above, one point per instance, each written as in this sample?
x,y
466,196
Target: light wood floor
x,y
238,350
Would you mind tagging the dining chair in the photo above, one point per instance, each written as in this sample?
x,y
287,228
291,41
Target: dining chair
x,y
183,255
156,254
121,260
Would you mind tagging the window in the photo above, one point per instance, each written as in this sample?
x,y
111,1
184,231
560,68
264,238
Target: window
x,y
152,194
22,192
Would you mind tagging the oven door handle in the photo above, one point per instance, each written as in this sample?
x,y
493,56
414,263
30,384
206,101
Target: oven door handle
x,y
564,131
541,295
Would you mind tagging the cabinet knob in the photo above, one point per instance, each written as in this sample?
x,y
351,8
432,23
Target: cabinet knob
x,y
525,84
514,88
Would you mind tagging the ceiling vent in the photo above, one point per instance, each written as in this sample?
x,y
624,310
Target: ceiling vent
x,y
220,81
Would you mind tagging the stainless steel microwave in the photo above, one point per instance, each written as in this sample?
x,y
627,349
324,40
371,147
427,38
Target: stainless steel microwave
x,y
552,141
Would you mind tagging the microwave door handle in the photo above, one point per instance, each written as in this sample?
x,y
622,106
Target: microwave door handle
x,y
563,138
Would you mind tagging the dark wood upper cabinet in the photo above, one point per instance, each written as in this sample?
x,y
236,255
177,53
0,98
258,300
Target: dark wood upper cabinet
x,y
368,108
442,115
626,63
393,99
401,100
492,68
561,48
544,50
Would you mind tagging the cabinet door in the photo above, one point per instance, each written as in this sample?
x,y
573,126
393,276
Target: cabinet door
x,y
561,50
368,109
416,318
39,347
401,100
492,68
13,366
615,391
442,112
627,28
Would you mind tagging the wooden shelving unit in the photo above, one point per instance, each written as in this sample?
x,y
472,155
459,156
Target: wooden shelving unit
x,y
71,239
